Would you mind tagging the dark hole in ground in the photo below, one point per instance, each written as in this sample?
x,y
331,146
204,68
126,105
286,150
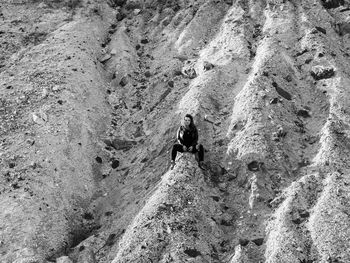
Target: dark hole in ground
x,y
258,241
110,240
321,29
88,216
253,166
304,214
297,221
307,61
15,186
144,160
216,198
98,159
226,222
78,236
243,242
115,164
192,252
303,113
301,52
274,101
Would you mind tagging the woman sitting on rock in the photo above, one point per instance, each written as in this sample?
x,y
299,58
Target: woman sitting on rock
x,y
187,136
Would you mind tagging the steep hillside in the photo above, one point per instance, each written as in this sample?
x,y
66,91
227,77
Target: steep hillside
x,y
92,93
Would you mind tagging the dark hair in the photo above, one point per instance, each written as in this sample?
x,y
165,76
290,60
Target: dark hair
x,y
192,126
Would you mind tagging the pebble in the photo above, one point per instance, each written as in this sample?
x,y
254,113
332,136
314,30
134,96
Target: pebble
x,y
171,83
30,141
39,117
147,74
137,11
45,93
56,88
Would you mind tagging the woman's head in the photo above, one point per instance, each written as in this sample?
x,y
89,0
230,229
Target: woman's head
x,y
188,121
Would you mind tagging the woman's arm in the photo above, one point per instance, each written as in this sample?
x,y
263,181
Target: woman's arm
x,y
178,135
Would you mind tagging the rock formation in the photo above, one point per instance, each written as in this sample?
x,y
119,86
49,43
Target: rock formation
x,y
92,93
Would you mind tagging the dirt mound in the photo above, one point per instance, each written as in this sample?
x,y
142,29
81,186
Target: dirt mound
x,y
91,96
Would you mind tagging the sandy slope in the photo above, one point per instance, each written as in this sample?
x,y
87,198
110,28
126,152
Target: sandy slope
x,y
89,110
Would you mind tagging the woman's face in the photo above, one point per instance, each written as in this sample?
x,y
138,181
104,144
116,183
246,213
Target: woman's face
x,y
187,121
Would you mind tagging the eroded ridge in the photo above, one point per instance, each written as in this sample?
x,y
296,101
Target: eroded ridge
x,y
266,82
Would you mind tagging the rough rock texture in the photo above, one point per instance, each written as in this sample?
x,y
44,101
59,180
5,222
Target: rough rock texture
x,y
91,95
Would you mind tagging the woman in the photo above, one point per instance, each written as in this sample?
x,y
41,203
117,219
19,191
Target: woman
x,y
187,136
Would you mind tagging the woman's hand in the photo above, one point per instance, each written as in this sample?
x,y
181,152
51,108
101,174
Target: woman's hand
x,y
184,148
190,149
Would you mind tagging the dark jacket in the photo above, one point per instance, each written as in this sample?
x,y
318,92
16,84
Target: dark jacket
x,y
187,137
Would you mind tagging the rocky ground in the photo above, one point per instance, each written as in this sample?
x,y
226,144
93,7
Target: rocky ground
x,y
92,93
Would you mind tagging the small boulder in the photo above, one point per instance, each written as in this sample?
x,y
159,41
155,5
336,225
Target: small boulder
x,y
64,259
329,4
304,214
42,5
207,66
133,4
120,16
297,220
343,28
137,11
120,144
105,58
119,2
274,101
177,73
123,81
30,141
192,252
86,256
282,92
171,83
320,72
320,29
190,73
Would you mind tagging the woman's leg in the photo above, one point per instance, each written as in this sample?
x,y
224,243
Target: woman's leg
x,y
200,152
176,148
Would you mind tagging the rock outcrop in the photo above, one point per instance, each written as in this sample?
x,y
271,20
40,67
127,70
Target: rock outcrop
x,y
91,96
